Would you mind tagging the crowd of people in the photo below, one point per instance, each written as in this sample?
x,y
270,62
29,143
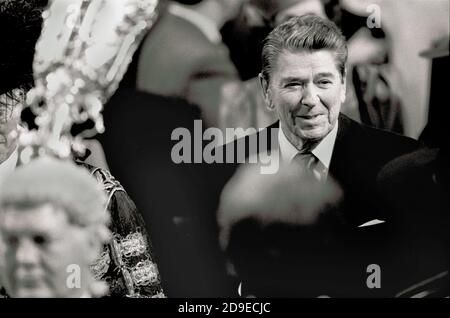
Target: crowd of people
x,y
308,86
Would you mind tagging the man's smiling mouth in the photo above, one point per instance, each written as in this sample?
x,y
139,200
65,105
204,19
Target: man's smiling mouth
x,y
308,116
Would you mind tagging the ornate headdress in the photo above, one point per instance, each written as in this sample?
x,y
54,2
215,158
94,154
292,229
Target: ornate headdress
x,y
81,56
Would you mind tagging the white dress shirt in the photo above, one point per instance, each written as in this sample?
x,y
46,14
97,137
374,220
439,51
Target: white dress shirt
x,y
323,151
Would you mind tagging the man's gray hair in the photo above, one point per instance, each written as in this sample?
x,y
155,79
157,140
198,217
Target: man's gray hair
x,y
305,33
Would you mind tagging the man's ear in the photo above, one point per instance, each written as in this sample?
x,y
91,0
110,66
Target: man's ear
x,y
266,92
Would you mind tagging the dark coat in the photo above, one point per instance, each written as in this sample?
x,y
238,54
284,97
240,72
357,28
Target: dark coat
x,y
331,256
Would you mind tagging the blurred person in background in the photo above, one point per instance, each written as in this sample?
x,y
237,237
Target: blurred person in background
x,y
9,128
416,191
53,224
281,235
19,34
410,27
185,57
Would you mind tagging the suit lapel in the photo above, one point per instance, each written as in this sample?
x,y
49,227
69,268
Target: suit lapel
x,y
340,152
352,167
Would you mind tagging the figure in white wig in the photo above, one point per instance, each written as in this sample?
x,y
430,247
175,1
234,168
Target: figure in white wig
x,y
54,224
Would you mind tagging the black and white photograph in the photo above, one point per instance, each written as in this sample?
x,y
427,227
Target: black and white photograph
x,y
224,155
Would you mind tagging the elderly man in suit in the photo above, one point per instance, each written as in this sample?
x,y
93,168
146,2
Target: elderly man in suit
x,y
303,79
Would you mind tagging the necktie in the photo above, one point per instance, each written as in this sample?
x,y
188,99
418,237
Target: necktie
x,y
310,164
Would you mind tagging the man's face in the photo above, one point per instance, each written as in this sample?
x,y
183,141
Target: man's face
x,y
306,90
9,122
39,246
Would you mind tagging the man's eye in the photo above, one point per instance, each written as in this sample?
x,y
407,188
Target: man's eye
x,y
324,82
40,240
293,84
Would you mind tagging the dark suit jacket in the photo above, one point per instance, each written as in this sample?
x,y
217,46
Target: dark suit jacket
x,y
331,256
359,154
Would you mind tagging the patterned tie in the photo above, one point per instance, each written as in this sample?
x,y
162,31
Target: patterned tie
x,y
309,163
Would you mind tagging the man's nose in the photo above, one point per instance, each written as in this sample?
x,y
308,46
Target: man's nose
x,y
27,253
309,96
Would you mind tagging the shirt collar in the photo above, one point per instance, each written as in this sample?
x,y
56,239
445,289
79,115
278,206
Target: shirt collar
x,y
322,151
287,150
206,25
8,166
